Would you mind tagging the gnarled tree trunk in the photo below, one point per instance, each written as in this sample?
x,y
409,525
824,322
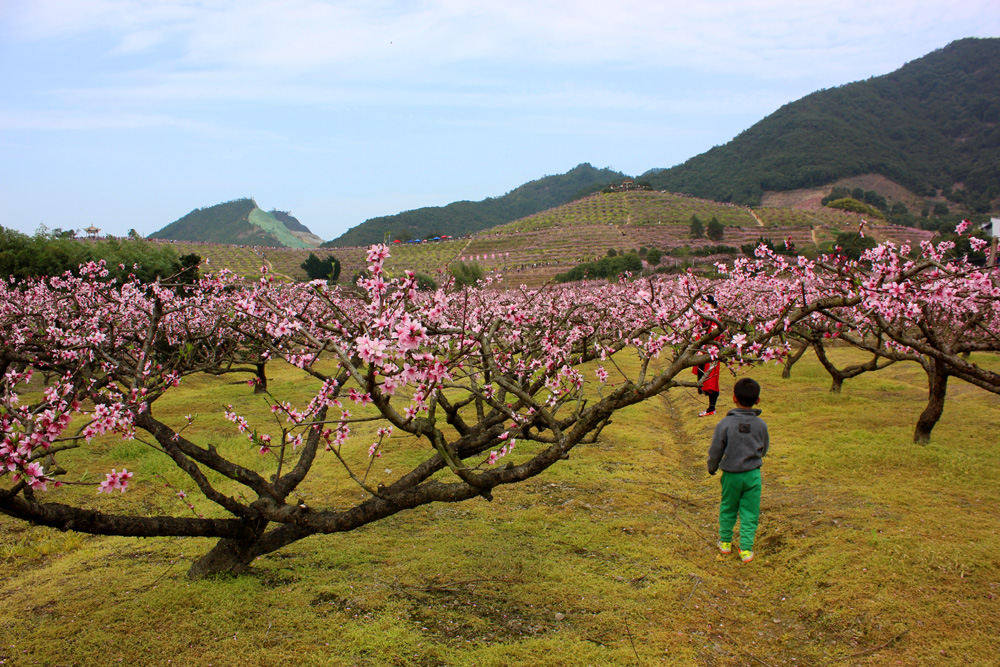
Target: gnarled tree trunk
x,y
790,360
232,556
836,376
937,387
261,386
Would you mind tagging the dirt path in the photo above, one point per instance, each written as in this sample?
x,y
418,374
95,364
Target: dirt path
x,y
461,252
760,223
686,490
270,269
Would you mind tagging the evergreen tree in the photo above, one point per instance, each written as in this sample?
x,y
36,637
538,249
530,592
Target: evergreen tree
x,y
322,269
697,227
852,244
715,229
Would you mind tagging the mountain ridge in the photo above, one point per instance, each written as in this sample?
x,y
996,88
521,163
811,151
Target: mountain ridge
x,y
464,217
931,126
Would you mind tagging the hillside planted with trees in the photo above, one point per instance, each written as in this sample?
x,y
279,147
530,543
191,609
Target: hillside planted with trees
x,y
930,126
464,217
238,222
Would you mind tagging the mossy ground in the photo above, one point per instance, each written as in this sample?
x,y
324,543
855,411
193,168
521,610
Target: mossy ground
x,y
871,551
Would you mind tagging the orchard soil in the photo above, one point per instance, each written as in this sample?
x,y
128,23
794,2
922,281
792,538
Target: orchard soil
x,y
871,551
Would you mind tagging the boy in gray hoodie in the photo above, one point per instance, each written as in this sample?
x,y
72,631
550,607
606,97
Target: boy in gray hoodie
x,y
739,443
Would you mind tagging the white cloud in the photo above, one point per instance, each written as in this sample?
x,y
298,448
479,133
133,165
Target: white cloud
x,y
309,35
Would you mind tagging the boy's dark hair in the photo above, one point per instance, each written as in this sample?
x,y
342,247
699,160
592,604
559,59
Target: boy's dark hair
x,y
746,391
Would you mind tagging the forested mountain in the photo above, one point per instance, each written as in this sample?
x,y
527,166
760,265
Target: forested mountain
x,y
464,217
239,222
931,126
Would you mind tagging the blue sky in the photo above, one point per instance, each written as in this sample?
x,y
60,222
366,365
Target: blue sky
x,y
128,114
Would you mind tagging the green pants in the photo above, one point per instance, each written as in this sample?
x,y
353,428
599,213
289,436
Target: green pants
x,y
740,495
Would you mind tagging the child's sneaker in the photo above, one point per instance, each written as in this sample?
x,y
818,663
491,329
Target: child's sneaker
x,y
725,547
746,556
706,413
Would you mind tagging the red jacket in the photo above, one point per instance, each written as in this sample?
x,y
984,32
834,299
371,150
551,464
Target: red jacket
x,y
711,373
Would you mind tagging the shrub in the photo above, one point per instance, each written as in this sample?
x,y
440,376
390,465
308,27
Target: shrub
x,y
853,244
425,283
606,267
466,273
750,248
855,206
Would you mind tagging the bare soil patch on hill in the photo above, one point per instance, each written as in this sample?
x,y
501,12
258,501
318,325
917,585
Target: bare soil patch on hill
x,y
809,198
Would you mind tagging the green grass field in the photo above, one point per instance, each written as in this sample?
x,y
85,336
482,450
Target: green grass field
x,y
871,551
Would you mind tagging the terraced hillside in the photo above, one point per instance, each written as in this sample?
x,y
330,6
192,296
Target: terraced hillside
x,y
461,218
772,216
634,208
247,260
535,248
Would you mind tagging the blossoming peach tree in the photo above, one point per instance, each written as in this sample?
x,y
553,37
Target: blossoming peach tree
x,y
922,305
481,387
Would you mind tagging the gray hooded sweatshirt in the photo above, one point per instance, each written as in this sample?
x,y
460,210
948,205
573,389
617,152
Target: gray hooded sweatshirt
x,y
739,443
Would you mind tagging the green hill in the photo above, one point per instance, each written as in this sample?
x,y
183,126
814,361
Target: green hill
x,y
463,217
931,126
237,222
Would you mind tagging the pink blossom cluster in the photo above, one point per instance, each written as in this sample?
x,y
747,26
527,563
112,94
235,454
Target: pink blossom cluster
x,y
115,481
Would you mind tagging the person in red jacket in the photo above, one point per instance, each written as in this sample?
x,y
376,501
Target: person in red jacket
x,y
708,376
